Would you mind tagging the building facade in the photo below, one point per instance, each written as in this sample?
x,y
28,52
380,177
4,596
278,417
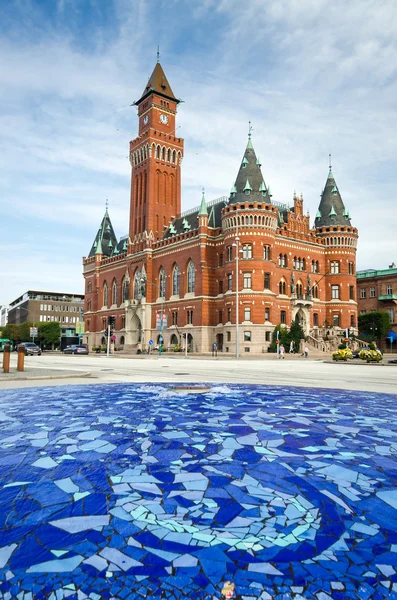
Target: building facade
x,y
241,259
44,307
377,290
3,315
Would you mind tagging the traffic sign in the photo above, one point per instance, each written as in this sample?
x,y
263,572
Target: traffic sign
x,y
150,342
33,331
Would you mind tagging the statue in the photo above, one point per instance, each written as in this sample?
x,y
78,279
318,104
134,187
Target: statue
x,y
292,283
309,286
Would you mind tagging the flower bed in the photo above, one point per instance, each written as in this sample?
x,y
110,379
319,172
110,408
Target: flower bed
x,y
371,355
342,354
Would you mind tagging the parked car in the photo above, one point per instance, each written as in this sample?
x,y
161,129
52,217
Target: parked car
x,y
31,348
76,349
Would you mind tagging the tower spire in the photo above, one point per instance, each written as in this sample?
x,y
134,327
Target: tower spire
x,y
330,165
158,53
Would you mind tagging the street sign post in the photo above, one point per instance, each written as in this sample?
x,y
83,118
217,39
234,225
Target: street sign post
x,y
33,333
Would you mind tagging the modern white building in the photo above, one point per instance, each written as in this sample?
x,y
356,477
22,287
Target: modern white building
x,y
3,315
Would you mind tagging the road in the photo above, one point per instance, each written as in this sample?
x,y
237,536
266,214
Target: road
x,y
294,371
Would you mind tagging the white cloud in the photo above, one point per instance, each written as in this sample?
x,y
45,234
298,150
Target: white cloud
x,y
313,77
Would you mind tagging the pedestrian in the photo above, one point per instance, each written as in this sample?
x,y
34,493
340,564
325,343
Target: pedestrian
x,y
214,349
282,351
306,352
291,347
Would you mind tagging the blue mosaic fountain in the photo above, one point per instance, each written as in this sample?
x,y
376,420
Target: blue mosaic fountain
x,y
137,491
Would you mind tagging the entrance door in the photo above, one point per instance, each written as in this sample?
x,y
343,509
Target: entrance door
x,y
219,341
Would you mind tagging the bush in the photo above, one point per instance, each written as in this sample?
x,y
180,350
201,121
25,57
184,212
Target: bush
x,y
103,348
342,354
371,355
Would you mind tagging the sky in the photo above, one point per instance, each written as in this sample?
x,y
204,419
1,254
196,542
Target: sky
x,y
314,77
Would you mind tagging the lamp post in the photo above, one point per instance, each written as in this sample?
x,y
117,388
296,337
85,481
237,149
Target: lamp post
x,y
236,244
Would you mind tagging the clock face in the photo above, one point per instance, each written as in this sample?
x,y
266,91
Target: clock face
x,y
164,119
145,120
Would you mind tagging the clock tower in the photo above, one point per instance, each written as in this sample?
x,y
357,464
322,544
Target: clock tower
x,y
156,156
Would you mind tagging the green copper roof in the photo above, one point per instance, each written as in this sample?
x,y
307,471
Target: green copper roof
x,y
105,240
203,206
233,190
331,210
268,191
262,187
99,248
245,161
247,187
258,162
249,143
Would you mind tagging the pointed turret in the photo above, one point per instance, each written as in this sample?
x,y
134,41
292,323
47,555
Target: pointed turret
x,y
203,206
105,240
158,83
331,210
249,182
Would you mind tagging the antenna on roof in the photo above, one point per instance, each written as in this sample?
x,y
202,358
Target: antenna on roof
x,y
158,53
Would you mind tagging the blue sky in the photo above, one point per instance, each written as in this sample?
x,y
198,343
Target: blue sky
x,y
314,78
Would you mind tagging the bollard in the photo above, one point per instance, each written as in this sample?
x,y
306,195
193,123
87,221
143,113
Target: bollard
x,y
6,358
21,358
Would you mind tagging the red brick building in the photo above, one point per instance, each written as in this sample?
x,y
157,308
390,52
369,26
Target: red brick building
x,y
175,272
377,290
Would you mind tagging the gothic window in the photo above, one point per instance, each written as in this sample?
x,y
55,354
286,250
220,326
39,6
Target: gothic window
x,y
266,252
191,278
229,253
126,284
176,277
247,251
162,283
174,156
295,263
105,294
299,289
168,155
315,291
114,292
137,285
158,152
89,287
303,264
282,287
334,267
163,153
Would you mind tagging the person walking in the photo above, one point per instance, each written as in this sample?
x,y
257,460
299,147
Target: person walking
x,y
214,349
306,351
291,347
282,351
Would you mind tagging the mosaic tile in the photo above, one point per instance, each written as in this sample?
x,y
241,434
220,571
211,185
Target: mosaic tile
x,y
134,491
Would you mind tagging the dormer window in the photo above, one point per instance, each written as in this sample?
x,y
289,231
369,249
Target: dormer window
x,y
244,163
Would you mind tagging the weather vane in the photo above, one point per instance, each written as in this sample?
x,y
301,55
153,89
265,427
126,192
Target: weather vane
x,y
330,166
158,53
250,128
107,203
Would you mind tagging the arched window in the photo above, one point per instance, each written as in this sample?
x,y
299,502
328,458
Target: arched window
x,y
174,156
89,287
315,291
163,153
114,292
191,277
299,289
158,152
126,285
105,294
174,340
282,287
162,283
176,276
168,155
137,285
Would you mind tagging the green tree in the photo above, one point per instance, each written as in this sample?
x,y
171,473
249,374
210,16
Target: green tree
x,y
49,333
374,325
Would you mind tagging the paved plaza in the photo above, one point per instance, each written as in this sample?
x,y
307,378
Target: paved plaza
x,y
121,485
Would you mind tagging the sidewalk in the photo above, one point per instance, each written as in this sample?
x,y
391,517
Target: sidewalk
x,y
41,373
